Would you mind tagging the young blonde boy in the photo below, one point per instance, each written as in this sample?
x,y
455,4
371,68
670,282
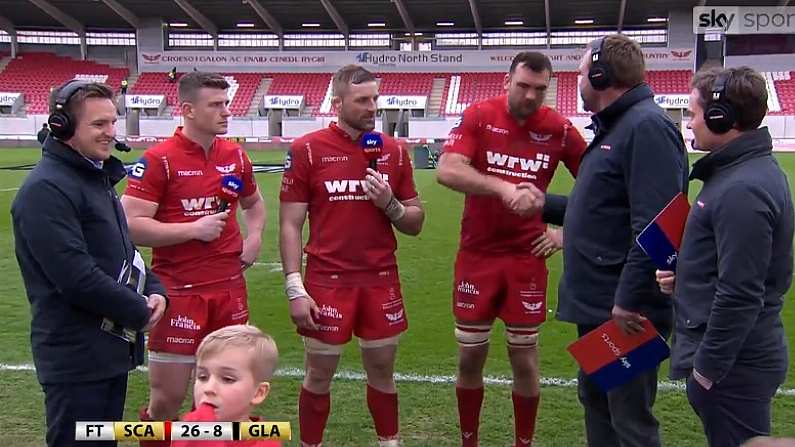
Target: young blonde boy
x,y
234,366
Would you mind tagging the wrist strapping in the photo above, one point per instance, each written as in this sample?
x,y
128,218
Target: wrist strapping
x,y
294,286
395,210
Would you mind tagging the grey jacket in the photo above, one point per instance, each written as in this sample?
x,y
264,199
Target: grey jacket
x,y
634,166
735,263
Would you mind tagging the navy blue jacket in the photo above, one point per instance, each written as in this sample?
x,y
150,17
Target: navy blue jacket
x,y
71,242
735,263
634,166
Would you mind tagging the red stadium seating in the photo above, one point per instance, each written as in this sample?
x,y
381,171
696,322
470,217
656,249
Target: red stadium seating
x,y
479,86
567,93
673,82
312,86
419,84
33,74
158,84
786,94
661,81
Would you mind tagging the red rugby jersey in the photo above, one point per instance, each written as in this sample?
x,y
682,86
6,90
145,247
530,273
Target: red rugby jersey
x,y
347,233
497,145
185,184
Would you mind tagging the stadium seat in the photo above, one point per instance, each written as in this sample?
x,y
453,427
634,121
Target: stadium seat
x,y
312,86
785,87
34,74
158,84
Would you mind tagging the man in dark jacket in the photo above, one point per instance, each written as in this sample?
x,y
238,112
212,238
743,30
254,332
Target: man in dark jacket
x,y
90,294
43,132
735,262
634,166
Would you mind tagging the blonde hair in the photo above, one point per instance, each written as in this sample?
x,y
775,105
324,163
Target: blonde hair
x,y
264,354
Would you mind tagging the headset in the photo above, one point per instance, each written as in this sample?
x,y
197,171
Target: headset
x,y
719,115
599,73
62,125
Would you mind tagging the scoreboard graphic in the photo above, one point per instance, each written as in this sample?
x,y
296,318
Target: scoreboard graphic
x,y
182,431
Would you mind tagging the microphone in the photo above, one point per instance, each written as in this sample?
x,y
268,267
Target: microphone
x,y
372,145
121,146
230,191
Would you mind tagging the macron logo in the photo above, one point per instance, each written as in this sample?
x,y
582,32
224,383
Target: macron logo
x,y
509,161
397,316
468,288
532,307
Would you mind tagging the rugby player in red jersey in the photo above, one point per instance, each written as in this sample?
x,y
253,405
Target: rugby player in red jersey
x,y
351,285
174,203
502,155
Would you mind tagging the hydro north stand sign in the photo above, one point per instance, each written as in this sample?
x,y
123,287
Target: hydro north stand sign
x,y
381,61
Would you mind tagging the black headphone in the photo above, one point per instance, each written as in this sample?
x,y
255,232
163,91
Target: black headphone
x,y
719,115
599,73
62,125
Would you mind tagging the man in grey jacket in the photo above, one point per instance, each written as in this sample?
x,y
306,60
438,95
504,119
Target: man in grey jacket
x,y
735,262
634,166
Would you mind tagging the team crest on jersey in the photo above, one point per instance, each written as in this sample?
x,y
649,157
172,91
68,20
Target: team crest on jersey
x,y
138,169
288,161
228,169
540,137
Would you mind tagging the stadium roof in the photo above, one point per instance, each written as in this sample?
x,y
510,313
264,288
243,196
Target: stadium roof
x,y
349,15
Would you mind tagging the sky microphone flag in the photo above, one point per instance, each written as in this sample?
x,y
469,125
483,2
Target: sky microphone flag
x,y
663,236
231,186
611,358
372,146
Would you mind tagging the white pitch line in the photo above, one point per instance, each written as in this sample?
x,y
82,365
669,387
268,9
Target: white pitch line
x,y
272,266
292,373
9,189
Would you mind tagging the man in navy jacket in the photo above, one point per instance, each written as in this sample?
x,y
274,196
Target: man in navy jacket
x,y
735,262
634,166
89,292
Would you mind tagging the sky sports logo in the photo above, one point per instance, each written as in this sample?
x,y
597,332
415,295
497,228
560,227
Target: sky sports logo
x,y
744,20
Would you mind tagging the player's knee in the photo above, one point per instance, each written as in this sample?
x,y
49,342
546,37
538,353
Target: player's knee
x,y
381,370
471,336
164,403
521,337
318,378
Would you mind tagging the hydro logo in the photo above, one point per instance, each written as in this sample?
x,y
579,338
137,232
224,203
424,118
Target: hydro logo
x,y
401,102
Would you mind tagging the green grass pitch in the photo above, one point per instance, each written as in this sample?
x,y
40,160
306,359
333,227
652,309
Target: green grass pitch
x,y
427,356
